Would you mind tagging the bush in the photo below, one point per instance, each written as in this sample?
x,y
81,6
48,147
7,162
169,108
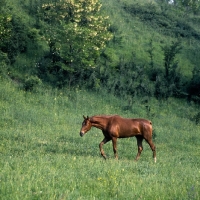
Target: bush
x,y
31,82
194,86
197,118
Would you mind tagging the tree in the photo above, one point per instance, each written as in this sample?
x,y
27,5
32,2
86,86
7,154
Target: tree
x,y
194,85
5,20
188,5
169,58
5,35
168,84
76,32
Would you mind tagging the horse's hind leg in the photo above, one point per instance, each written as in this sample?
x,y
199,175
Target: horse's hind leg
x,y
114,141
140,147
153,148
104,141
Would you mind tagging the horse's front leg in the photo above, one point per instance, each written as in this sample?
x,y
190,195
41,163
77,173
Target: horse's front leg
x,y
114,141
104,141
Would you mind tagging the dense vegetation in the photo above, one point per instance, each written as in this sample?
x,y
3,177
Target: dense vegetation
x,y
145,48
62,59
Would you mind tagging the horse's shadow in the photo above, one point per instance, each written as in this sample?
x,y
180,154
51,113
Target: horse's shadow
x,y
77,146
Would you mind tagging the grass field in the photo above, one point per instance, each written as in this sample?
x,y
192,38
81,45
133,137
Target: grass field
x,y
43,156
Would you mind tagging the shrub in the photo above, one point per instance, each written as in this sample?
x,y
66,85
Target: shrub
x,y
197,118
31,82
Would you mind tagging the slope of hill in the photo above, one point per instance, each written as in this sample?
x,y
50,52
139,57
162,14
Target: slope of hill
x,y
150,38
141,24
44,157
42,153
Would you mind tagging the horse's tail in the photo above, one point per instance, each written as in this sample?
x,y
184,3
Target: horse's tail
x,y
154,135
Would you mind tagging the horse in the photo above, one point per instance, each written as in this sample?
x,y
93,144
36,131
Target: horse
x,y
114,127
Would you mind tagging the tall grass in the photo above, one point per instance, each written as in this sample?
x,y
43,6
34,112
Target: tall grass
x,y
43,156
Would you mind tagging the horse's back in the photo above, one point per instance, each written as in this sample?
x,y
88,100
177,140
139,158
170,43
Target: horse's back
x,y
121,120
127,127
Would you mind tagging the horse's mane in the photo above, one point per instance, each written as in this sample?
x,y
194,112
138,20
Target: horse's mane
x,y
98,118
103,116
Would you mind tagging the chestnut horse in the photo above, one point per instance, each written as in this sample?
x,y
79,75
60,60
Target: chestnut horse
x,y
114,126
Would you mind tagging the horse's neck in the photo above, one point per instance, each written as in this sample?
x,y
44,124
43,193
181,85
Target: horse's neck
x,y
99,122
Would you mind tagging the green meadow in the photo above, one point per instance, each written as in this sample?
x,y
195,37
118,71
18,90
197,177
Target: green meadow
x,y
44,157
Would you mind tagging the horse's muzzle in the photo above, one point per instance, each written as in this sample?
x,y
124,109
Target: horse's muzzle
x,y
81,134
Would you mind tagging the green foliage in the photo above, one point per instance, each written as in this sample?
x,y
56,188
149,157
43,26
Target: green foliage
x,y
161,20
18,41
169,58
4,61
188,5
129,80
194,86
164,19
5,35
196,118
78,35
5,28
31,82
68,43
169,84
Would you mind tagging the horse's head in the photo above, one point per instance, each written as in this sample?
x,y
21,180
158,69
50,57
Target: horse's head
x,y
86,126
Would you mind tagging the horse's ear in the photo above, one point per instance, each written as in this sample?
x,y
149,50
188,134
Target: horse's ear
x,y
87,118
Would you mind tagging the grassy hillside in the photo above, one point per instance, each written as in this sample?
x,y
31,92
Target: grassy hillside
x,y
43,156
139,22
134,25
42,153
154,50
